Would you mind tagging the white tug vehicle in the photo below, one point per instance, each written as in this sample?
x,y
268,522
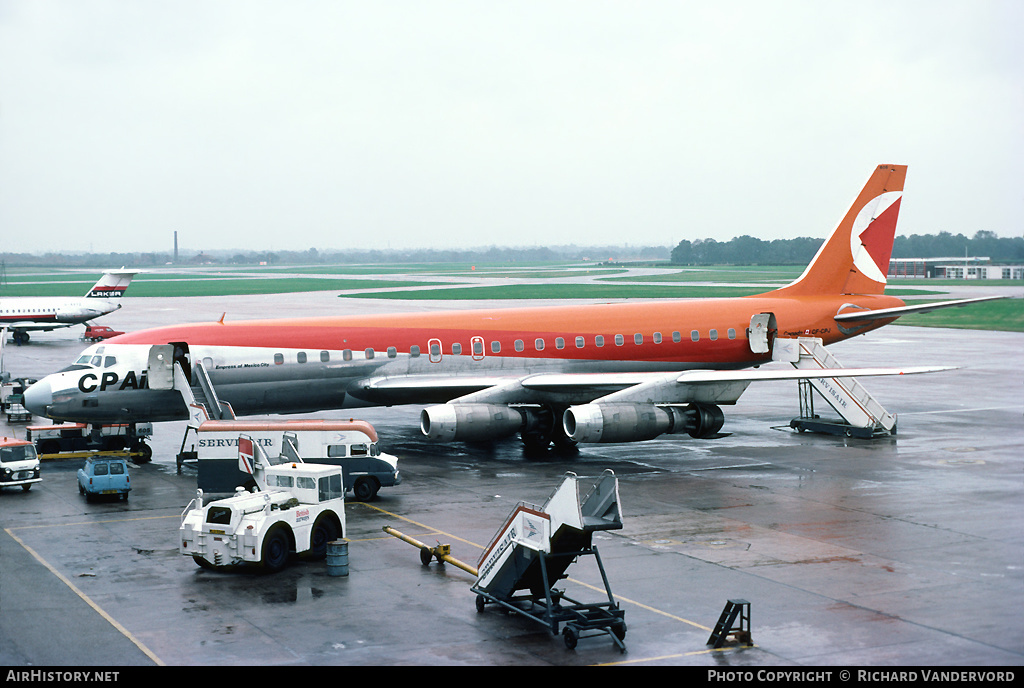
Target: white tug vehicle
x,y
295,507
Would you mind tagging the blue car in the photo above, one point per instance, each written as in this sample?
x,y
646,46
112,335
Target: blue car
x,y
103,475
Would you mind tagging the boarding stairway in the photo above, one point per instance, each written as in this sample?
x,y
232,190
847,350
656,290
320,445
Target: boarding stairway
x,y
535,547
200,395
862,415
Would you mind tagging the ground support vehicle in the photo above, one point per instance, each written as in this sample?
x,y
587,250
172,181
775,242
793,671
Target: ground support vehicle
x,y
96,333
295,507
64,438
350,445
12,398
104,475
531,553
19,464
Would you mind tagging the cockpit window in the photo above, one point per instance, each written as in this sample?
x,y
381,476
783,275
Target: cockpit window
x,y
109,361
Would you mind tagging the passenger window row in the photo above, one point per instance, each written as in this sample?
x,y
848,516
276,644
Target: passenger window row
x,y
477,345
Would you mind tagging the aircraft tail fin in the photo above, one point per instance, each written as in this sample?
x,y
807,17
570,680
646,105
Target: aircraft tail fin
x,y
112,284
855,257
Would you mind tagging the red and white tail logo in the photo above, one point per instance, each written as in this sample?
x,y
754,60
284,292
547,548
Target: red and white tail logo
x,y
112,284
855,257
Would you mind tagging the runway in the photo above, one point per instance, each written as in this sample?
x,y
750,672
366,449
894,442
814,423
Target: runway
x,y
900,551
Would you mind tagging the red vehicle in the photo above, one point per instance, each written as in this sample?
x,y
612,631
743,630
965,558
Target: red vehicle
x,y
95,333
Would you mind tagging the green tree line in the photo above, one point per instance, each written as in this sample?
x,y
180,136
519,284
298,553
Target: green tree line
x,y
748,250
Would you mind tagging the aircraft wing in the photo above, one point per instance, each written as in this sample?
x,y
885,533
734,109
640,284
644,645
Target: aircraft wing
x,y
884,313
34,326
677,387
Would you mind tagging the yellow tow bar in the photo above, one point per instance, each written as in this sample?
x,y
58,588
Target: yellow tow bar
x,y
442,552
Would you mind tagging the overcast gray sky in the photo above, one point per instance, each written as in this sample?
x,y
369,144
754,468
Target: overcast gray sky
x,y
332,124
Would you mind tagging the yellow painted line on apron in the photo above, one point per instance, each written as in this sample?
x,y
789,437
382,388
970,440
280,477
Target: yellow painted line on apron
x,y
124,631
587,585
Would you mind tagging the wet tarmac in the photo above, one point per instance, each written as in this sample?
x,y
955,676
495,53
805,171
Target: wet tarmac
x,y
899,551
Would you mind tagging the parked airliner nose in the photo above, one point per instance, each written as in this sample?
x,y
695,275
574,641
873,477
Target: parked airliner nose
x,y
38,398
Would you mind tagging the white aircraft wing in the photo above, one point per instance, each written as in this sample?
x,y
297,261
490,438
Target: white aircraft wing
x,y
711,386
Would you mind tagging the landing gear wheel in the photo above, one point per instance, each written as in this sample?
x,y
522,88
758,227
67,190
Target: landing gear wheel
x,y
144,451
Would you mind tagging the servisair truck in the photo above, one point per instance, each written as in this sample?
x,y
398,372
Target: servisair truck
x,y
350,444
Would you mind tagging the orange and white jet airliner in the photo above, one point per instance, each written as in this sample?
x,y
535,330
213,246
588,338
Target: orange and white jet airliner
x,y
604,372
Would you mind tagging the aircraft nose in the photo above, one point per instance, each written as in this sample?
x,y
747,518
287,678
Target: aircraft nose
x,y
38,398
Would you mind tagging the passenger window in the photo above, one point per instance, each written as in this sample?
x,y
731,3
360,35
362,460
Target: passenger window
x,y
732,333
456,349
301,357
657,337
346,354
695,335
638,338
619,341
435,349
519,345
325,356
368,353
559,343
713,335
599,340
579,342
495,347
392,352
676,337
414,350
278,359
478,347
538,344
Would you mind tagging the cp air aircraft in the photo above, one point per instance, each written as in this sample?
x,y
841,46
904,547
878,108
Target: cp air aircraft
x,y
44,313
582,373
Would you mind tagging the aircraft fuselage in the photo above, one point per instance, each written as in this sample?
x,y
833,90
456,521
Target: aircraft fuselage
x,y
306,365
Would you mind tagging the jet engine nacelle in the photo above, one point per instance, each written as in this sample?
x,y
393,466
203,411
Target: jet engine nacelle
x,y
638,422
469,422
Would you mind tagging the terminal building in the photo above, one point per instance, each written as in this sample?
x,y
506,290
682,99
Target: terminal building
x,y
980,268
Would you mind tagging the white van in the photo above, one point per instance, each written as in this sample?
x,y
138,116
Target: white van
x,y
351,444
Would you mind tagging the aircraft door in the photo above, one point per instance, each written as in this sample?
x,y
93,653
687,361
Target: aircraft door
x,y
160,367
761,332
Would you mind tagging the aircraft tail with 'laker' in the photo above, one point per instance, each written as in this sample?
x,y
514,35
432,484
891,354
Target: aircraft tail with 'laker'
x,y
855,258
112,284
